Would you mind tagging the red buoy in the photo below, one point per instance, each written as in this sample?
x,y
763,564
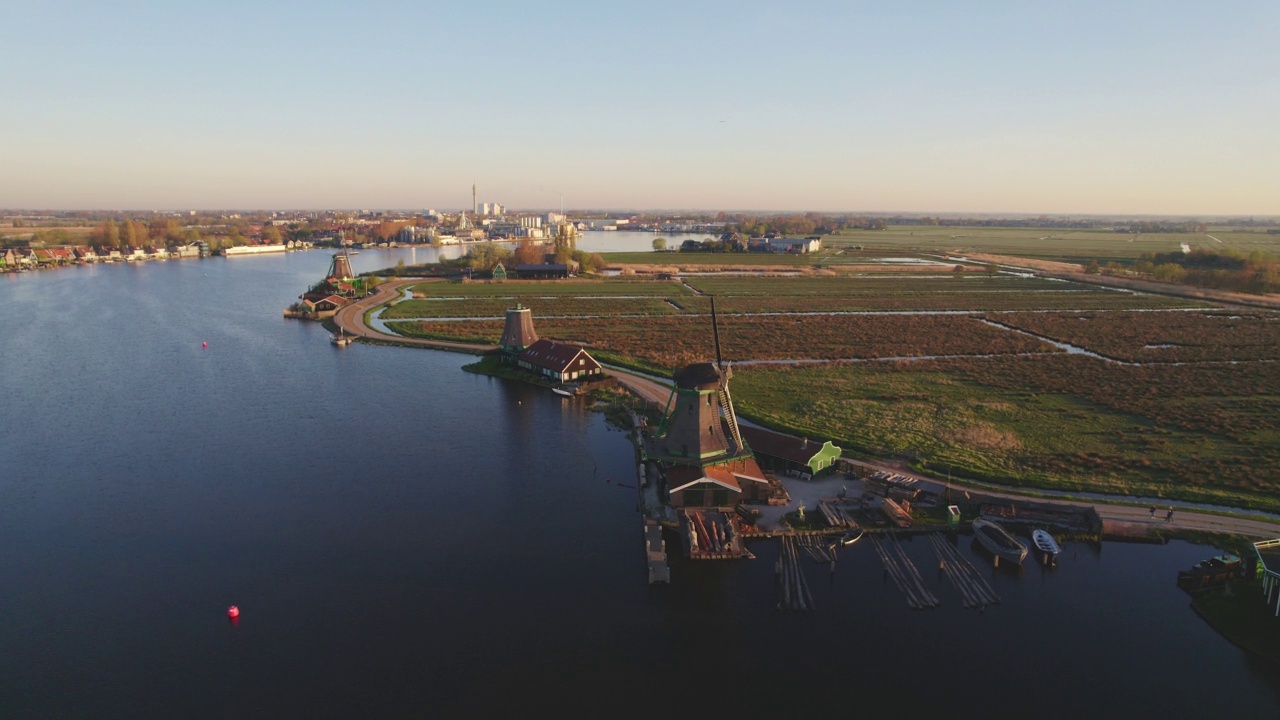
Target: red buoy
x,y
204,344
233,612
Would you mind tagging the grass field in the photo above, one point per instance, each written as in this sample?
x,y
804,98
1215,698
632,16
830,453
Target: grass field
x,y
1060,421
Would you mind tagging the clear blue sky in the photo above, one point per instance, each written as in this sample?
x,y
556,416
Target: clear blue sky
x,y
1165,107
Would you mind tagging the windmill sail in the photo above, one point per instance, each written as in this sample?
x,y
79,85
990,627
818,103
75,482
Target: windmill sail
x,y
726,402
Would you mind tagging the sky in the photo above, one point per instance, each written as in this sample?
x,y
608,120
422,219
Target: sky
x,y
1115,107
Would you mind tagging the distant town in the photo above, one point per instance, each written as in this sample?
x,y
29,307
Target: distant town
x,y
31,240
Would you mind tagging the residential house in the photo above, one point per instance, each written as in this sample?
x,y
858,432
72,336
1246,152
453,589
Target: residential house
x,y
559,362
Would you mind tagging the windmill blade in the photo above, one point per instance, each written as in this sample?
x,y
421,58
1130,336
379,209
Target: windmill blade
x,y
715,330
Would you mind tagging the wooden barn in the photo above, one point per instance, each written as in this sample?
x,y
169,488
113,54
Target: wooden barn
x,y
798,457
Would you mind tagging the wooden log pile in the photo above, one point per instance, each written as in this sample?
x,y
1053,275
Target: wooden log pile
x,y
904,573
895,513
835,515
793,586
974,588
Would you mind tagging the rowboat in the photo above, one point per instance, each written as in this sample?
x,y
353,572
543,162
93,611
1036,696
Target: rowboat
x,y
852,537
998,541
1046,544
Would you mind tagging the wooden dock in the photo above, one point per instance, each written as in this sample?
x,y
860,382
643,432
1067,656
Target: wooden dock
x,y
656,553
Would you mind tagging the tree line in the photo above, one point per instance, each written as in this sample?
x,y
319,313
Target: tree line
x,y
1227,269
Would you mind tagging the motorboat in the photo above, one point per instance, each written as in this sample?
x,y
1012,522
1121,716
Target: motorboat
x,y
1210,573
1045,543
998,541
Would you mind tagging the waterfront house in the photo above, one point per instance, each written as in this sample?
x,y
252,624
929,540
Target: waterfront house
x,y
85,254
322,305
8,259
799,457
559,362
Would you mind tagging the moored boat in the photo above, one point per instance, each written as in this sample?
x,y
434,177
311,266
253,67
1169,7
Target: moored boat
x,y
998,541
1210,573
1045,543
852,537
562,391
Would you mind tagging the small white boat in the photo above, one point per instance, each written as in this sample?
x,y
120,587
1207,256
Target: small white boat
x,y
852,537
562,391
341,338
1045,543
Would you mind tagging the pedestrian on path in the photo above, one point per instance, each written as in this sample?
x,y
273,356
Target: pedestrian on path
x,y
1169,515
1153,511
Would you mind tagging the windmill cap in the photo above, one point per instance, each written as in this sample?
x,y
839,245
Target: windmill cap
x,y
698,376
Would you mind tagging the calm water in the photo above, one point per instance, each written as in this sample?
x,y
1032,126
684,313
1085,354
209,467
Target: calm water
x,y
408,540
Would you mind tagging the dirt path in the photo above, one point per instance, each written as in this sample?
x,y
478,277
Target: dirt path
x,y
351,320
654,392
1183,519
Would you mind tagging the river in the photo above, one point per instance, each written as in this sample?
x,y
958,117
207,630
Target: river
x,y
405,539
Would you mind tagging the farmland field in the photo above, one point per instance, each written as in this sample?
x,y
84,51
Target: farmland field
x,y
1220,336
671,342
542,306
947,371
1067,245
552,288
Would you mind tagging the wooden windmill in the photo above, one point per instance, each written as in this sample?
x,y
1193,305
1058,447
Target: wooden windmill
x,y
340,267
699,445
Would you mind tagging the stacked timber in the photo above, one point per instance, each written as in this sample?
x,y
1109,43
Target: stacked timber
x,y
895,513
835,515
